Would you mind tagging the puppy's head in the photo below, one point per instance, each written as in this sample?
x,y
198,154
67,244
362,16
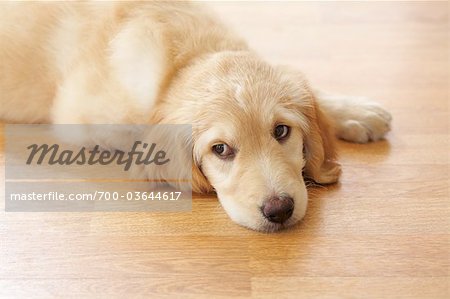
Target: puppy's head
x,y
257,131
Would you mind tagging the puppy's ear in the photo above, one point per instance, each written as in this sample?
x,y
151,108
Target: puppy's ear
x,y
320,152
200,183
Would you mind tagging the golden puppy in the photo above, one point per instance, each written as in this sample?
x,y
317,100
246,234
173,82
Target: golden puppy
x,y
257,128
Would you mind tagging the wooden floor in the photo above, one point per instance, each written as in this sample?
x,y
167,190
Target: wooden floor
x,y
383,232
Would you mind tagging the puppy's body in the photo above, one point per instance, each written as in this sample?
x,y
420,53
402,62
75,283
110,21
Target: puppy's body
x,y
60,59
160,62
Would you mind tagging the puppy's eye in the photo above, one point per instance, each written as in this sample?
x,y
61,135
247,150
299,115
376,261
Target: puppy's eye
x,y
281,132
223,150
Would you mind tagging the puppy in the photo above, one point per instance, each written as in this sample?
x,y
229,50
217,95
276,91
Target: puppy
x,y
258,129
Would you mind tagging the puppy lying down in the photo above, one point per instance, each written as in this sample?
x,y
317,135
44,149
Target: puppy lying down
x,y
257,128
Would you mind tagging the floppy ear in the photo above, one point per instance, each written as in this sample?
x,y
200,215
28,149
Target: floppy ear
x,y
200,183
320,153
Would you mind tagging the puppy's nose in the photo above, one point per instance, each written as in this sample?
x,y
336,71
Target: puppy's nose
x,y
278,209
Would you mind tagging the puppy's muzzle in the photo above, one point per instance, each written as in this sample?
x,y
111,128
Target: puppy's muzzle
x,y
278,209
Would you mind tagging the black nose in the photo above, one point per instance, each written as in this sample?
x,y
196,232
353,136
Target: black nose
x,y
278,209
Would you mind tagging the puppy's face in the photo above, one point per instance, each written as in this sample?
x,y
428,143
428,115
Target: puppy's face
x,y
256,128
252,156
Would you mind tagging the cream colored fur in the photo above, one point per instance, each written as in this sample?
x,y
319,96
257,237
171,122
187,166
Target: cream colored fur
x,y
162,62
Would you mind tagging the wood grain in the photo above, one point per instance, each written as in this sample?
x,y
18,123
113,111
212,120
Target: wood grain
x,y
382,232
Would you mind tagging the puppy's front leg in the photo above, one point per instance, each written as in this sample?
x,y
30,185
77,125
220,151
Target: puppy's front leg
x,y
355,119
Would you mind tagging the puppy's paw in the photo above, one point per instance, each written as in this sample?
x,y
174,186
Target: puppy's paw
x,y
362,121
